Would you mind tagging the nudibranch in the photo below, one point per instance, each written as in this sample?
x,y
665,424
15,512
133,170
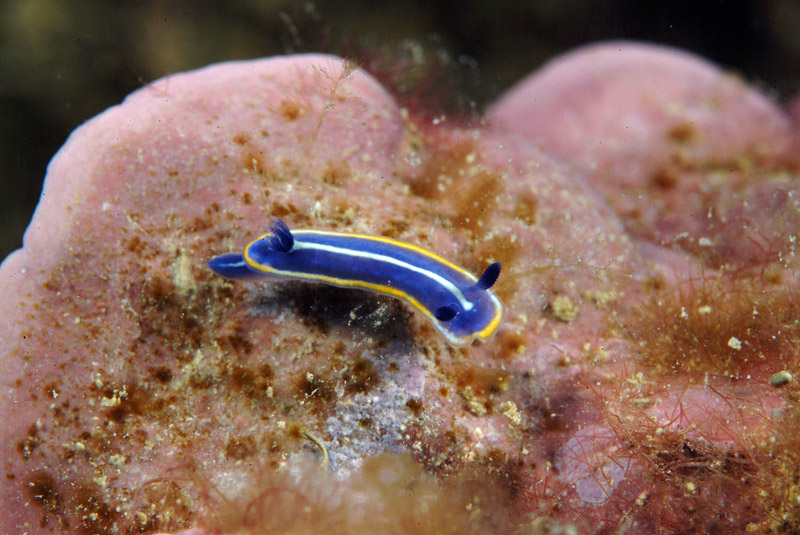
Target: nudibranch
x,y
461,306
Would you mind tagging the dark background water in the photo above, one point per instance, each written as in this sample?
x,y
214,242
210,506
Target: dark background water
x,y
64,61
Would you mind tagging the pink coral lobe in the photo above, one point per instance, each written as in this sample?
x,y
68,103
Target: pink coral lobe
x,y
627,390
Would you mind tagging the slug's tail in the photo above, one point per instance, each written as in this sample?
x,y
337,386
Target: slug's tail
x,y
233,266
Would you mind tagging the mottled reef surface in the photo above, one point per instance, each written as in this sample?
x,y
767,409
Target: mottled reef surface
x,y
644,204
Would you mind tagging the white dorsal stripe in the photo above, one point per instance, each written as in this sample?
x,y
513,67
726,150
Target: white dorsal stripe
x,y
449,286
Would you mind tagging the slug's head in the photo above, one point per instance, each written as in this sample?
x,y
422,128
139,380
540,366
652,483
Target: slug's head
x,y
461,325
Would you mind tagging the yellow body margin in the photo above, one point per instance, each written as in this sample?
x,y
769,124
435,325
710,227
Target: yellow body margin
x,y
487,331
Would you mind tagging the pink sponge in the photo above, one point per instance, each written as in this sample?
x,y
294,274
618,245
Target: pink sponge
x,y
643,204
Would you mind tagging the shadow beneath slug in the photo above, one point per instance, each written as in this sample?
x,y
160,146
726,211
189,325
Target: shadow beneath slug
x,y
328,308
